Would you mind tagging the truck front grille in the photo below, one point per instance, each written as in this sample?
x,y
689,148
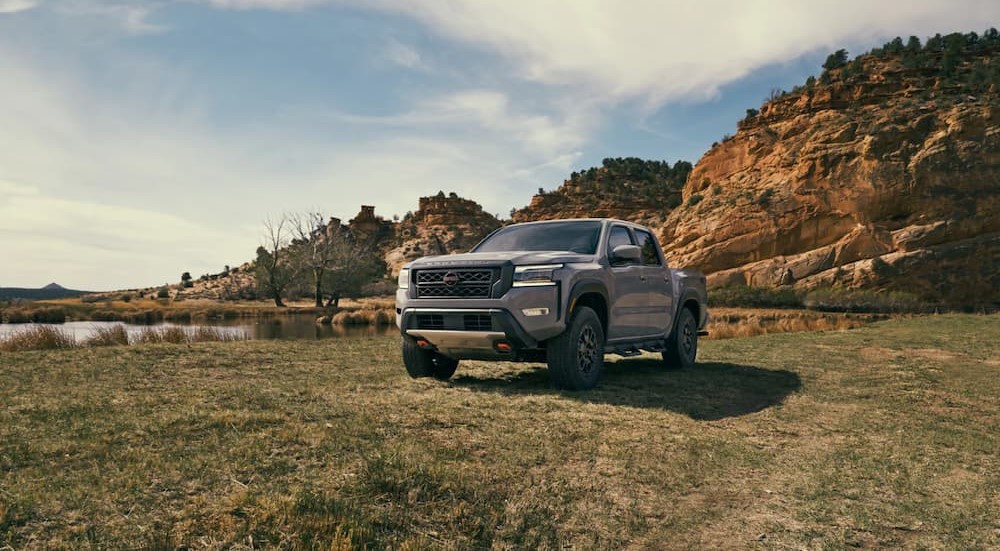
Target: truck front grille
x,y
460,283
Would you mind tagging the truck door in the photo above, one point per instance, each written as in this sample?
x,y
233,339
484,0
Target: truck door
x,y
659,295
627,316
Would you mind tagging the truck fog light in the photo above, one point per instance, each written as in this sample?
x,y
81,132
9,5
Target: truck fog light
x,y
535,311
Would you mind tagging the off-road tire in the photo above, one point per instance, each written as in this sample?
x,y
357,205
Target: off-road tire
x,y
576,357
426,363
682,344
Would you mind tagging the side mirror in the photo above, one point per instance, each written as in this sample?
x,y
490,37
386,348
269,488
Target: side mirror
x,y
625,253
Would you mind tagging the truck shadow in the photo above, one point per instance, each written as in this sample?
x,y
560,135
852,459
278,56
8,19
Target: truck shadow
x,y
708,391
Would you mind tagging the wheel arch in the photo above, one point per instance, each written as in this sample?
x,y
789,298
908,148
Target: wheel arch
x,y
592,294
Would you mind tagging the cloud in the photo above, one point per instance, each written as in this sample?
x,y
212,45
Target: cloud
x,y
655,52
404,56
14,6
97,245
267,4
131,16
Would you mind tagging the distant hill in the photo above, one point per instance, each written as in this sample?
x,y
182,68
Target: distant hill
x,y
50,291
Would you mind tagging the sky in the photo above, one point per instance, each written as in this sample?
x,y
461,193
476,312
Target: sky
x,y
143,139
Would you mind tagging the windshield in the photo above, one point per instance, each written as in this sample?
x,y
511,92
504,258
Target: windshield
x,y
578,237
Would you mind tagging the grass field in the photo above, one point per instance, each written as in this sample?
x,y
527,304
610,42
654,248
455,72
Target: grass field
x,y
883,436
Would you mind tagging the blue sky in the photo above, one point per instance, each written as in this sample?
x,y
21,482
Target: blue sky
x,y
142,139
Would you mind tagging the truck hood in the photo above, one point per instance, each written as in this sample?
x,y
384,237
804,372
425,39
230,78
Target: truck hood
x,y
518,258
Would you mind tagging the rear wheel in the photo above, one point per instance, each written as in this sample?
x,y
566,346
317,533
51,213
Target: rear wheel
x,y
426,363
576,357
682,345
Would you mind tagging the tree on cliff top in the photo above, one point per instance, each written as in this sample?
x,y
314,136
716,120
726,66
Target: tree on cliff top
x,y
836,60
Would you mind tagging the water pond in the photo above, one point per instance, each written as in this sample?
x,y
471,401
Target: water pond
x,y
284,327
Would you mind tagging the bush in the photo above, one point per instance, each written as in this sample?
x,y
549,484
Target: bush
x,y
754,297
694,200
163,293
49,315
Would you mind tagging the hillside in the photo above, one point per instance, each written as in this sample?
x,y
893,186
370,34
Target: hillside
x,y
50,291
629,188
880,174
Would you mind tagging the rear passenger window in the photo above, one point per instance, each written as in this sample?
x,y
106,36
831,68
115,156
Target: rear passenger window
x,y
650,256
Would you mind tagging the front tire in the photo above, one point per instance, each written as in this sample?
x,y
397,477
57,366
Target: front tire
x,y
426,363
682,345
576,357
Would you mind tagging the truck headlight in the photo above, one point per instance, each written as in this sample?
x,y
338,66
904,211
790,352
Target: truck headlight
x,y
535,276
404,278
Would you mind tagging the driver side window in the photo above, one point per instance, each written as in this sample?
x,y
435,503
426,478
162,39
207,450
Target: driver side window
x,y
619,236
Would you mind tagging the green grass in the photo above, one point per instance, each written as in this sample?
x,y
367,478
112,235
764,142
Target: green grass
x,y
884,436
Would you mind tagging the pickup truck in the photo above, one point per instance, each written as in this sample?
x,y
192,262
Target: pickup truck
x,y
563,292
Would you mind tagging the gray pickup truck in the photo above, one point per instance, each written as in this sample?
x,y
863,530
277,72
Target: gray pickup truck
x,y
564,292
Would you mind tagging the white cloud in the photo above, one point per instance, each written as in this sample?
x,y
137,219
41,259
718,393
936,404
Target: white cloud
x,y
131,16
653,51
14,6
404,56
99,246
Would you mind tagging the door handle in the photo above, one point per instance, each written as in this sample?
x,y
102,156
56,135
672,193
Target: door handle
x,y
642,278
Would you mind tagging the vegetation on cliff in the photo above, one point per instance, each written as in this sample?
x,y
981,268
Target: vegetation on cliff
x,y
629,187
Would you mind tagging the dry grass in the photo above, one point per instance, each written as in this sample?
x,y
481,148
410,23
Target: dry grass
x,y
115,335
880,437
47,337
175,334
727,323
37,337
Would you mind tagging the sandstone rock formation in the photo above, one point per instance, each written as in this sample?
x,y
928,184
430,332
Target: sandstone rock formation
x,y
443,224
886,176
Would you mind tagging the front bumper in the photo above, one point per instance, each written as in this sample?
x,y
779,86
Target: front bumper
x,y
486,328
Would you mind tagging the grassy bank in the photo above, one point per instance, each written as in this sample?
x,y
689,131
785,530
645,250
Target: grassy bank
x,y
149,311
884,436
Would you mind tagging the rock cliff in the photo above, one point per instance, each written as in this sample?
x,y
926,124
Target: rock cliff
x,y
443,224
883,174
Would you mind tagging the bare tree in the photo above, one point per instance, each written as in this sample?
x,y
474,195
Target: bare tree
x,y
275,267
318,246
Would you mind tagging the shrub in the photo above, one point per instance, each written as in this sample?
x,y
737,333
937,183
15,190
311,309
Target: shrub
x,y
49,315
694,200
15,315
754,297
163,293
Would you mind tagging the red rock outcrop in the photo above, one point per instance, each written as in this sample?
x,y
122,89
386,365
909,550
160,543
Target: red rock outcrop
x,y
886,178
443,224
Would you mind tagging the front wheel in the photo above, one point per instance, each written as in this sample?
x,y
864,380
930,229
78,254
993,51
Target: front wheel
x,y
682,345
576,357
426,363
